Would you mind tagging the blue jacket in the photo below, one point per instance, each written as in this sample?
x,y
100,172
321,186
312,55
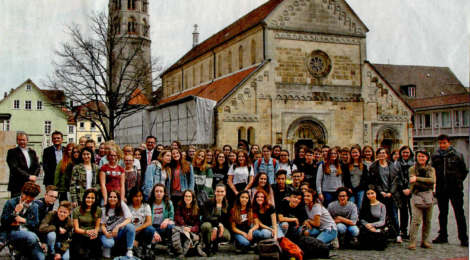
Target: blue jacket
x,y
9,215
184,182
270,169
153,175
166,213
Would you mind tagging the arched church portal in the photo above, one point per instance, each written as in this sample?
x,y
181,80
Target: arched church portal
x,y
389,138
306,131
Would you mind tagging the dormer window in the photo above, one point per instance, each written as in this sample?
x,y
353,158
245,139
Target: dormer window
x,y
409,90
412,91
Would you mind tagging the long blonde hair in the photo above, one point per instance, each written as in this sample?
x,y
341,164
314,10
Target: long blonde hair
x,y
204,164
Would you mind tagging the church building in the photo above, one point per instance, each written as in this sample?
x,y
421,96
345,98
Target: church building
x,y
290,72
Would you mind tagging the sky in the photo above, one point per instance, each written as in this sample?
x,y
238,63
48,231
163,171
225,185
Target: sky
x,y
404,32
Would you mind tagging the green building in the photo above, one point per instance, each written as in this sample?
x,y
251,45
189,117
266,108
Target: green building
x,y
36,112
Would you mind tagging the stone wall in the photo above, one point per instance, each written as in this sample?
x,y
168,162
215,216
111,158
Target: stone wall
x,y
7,141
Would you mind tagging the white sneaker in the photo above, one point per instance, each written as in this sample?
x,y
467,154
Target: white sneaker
x,y
106,252
129,254
399,240
335,243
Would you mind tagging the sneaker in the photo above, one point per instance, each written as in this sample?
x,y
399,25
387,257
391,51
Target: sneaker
x,y
335,243
440,240
106,252
129,254
399,240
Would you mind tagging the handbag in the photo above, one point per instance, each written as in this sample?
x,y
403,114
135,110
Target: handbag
x,y
423,199
202,197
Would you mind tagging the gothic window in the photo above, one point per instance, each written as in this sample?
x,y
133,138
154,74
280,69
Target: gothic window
x,y
240,57
200,73
210,70
145,28
131,25
194,76
253,52
117,27
219,66
250,136
131,4
229,60
241,133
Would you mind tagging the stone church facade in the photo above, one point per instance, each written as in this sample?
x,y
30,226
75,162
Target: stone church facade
x,y
292,72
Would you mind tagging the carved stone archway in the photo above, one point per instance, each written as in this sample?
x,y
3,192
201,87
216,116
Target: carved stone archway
x,y
306,131
388,137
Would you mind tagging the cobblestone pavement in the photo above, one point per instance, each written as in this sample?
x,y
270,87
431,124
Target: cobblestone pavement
x,y
453,250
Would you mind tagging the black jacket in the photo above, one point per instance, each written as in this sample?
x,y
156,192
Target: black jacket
x,y
207,210
393,181
451,171
49,164
19,171
143,160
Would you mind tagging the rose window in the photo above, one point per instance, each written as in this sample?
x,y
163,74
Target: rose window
x,y
319,64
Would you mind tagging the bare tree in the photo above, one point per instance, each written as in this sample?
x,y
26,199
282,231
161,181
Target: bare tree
x,y
105,72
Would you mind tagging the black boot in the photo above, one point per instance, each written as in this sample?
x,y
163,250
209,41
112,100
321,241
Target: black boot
x,y
215,247
208,250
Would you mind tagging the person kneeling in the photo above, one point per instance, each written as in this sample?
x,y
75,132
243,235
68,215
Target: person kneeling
x,y
344,213
20,219
57,226
116,224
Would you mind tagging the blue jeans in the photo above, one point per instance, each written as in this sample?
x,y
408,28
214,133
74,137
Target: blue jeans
x,y
128,232
327,235
328,198
145,236
166,232
352,231
51,239
27,241
262,234
290,232
357,199
313,232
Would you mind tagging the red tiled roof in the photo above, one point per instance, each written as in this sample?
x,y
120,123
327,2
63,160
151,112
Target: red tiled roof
x,y
55,96
138,98
440,101
248,21
216,90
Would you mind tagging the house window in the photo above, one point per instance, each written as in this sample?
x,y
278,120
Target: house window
x,y
201,73
70,130
437,120
27,105
16,104
412,92
194,77
39,105
445,119
47,127
99,139
6,126
82,124
93,126
70,140
465,118
457,122
29,87
425,121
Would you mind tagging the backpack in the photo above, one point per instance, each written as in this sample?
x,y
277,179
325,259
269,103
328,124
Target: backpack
x,y
313,248
289,249
274,163
269,249
373,241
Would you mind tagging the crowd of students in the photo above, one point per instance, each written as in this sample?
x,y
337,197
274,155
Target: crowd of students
x,y
195,199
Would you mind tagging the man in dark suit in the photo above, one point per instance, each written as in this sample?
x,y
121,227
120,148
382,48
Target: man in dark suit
x,y
51,157
23,164
146,159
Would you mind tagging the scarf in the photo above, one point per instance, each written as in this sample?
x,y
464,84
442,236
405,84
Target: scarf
x,y
445,153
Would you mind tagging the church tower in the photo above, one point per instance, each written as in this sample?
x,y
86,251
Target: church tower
x,y
131,30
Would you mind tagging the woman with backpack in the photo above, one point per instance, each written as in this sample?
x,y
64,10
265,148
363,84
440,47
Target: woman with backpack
x,y
422,179
215,225
162,213
267,164
244,222
240,175
372,217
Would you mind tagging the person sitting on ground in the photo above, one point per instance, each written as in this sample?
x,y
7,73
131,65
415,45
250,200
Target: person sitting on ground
x,y
280,190
58,228
268,227
215,225
372,215
141,217
187,217
319,223
116,224
244,222
291,214
163,214
46,204
86,224
345,215
20,220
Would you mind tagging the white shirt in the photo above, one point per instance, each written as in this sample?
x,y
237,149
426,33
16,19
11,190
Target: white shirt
x,y
89,178
26,155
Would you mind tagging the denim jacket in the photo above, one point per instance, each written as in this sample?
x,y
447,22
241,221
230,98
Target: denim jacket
x,y
9,215
184,182
153,175
270,169
166,213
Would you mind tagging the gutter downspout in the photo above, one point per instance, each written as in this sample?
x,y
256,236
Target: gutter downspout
x,y
263,24
213,69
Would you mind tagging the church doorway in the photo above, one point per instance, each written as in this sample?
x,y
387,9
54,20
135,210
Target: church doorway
x,y
305,142
388,138
306,131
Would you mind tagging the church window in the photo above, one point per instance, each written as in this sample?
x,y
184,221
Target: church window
x,y
219,66
229,60
145,28
240,57
131,4
145,6
319,64
250,136
253,52
194,76
210,69
201,72
241,133
131,25
117,27
117,4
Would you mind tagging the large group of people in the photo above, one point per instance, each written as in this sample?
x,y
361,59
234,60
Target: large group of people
x,y
124,201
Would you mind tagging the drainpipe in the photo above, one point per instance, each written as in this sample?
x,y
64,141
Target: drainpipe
x,y
264,25
213,65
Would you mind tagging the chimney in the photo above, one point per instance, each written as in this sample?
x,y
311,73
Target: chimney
x,y
195,36
6,94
